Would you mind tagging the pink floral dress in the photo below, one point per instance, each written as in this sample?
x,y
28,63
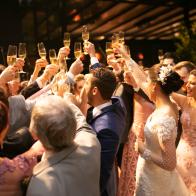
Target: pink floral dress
x,y
13,171
186,150
142,109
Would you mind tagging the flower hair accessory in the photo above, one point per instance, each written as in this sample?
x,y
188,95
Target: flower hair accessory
x,y
163,73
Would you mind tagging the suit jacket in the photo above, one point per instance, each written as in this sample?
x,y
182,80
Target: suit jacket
x,y
18,139
109,125
30,90
20,112
73,171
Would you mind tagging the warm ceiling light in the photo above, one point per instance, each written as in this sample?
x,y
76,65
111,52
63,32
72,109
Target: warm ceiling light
x,y
101,37
176,34
76,18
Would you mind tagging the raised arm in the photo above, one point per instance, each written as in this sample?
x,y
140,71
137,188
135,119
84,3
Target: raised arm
x,y
138,74
179,99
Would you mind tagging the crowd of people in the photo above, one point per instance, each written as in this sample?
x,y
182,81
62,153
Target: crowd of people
x,y
119,130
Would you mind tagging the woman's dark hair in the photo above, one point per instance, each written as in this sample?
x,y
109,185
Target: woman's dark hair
x,y
3,97
3,116
172,81
3,110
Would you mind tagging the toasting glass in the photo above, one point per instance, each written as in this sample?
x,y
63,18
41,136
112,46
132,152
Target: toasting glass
x,y
85,35
11,54
41,50
77,50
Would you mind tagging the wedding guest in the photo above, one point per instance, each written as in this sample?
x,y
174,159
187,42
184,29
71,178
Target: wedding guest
x,y
71,162
184,68
142,108
169,58
13,171
186,151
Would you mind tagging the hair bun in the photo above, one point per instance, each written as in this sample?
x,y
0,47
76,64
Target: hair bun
x,y
172,83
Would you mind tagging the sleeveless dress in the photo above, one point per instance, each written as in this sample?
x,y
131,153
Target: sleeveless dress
x,y
152,180
186,151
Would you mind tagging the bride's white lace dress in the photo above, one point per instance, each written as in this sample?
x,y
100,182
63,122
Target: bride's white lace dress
x,y
151,179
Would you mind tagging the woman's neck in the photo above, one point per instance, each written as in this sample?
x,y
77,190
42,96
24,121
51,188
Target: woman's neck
x,y
162,100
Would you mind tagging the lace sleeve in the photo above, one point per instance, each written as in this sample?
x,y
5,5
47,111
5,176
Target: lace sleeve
x,y
166,132
166,129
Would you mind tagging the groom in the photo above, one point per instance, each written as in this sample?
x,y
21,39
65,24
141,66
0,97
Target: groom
x,y
107,117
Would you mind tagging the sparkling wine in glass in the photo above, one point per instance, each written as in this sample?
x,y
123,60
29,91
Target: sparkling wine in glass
x,y
85,35
22,53
121,37
77,50
11,54
160,55
41,50
109,49
115,39
67,40
11,59
52,56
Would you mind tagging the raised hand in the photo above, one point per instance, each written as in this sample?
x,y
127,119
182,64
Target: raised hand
x,y
63,52
76,67
89,48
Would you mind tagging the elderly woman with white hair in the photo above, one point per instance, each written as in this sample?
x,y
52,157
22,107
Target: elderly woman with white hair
x,y
71,162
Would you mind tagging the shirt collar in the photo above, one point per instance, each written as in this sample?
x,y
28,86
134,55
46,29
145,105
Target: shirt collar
x,y
97,109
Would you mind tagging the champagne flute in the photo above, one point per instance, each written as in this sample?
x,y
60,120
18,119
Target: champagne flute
x,y
11,54
160,55
67,41
11,59
41,50
52,56
77,50
121,37
22,53
109,49
115,39
22,50
85,35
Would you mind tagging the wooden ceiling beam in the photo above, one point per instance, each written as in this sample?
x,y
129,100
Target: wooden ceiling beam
x,y
94,16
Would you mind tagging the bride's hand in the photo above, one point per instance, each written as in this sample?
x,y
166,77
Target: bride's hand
x,y
139,146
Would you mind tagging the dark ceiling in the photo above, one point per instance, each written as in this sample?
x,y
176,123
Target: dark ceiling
x,y
154,21
139,19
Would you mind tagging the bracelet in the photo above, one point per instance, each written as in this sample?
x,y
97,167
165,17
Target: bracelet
x,y
146,155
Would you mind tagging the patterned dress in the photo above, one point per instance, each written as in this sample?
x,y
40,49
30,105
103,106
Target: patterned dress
x,y
13,171
142,109
186,151
151,179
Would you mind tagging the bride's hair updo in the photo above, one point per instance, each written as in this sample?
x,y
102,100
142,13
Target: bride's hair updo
x,y
168,79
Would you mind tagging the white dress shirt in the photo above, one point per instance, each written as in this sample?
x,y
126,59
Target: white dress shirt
x,y
97,110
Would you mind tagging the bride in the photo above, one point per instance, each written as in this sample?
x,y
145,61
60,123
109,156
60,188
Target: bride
x,y
156,173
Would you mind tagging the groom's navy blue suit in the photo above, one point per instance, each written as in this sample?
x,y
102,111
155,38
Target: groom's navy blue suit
x,y
109,125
